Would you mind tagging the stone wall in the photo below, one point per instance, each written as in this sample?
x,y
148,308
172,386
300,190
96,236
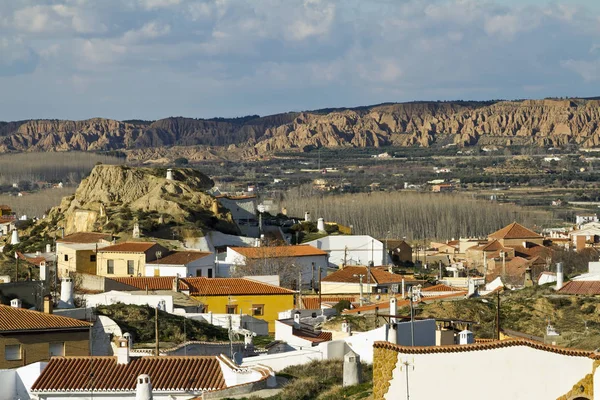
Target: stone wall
x,y
384,363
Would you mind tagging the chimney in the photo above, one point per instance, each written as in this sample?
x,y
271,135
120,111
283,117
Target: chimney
x,y
48,248
66,293
143,388
403,289
176,283
16,303
297,320
503,254
321,225
307,216
559,276
14,239
48,304
256,242
284,211
524,244
346,328
43,271
528,279
393,310
122,350
170,174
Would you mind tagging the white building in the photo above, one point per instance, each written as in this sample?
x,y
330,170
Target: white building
x,y
243,210
163,302
352,249
299,335
581,219
183,264
309,259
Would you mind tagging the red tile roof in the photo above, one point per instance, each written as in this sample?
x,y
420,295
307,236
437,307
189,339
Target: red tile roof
x,y
441,288
200,286
497,344
312,303
586,288
14,319
279,251
128,247
85,237
4,207
314,337
151,282
514,231
378,276
32,260
180,257
103,374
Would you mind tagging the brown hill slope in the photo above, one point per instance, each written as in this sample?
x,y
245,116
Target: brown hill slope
x,y
529,122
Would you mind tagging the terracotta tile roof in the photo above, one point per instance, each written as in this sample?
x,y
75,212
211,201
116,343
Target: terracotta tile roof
x,y
497,344
533,251
494,245
128,247
6,220
441,288
314,337
4,207
32,260
151,282
514,231
200,286
85,237
378,276
384,305
312,303
19,319
279,251
181,374
585,288
180,257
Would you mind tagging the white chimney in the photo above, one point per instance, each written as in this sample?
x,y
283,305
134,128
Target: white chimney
x,y
48,248
14,239
307,216
37,253
346,328
122,351
143,388
297,319
170,174
466,337
66,293
16,303
256,242
321,225
43,271
559,276
403,289
393,310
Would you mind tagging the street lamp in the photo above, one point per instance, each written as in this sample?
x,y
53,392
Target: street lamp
x,y
360,280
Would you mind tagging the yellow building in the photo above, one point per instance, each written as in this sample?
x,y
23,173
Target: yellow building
x,y
5,210
128,258
241,296
77,252
28,336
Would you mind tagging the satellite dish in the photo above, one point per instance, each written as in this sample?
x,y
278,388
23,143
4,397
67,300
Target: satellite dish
x,y
238,358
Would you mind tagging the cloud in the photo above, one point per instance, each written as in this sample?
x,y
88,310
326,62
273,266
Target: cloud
x,y
231,57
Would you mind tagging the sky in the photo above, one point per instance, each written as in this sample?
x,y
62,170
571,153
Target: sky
x,y
150,59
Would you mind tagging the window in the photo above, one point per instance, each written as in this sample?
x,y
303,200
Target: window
x,y
231,310
66,257
57,349
130,267
110,266
258,309
12,352
198,272
210,272
92,258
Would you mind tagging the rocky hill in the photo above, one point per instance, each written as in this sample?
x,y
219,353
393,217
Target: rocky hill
x,y
113,197
527,122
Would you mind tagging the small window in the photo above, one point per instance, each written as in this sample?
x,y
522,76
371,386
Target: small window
x,y
198,272
66,257
258,309
130,267
110,266
231,309
92,258
57,349
12,352
210,272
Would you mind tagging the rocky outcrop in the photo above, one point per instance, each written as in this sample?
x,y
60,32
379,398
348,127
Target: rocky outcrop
x,y
528,122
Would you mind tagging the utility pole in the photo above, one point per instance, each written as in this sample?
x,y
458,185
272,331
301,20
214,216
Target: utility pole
x,y
230,339
407,364
345,256
360,280
369,265
412,320
319,288
16,267
300,290
156,351
498,315
312,281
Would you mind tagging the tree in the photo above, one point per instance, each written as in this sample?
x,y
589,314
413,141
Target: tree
x,y
181,161
270,260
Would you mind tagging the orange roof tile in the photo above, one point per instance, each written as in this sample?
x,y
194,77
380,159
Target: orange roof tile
x,y
103,374
312,303
128,247
180,257
32,260
378,276
279,251
586,288
14,319
200,286
514,231
85,237
484,346
151,282
4,207
314,337
441,288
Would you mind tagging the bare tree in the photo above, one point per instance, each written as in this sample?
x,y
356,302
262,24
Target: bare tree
x,y
270,260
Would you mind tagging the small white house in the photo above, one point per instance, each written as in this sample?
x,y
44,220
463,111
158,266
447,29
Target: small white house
x,y
581,219
298,334
352,249
183,264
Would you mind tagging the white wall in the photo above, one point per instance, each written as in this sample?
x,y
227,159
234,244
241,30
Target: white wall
x,y
203,264
238,321
94,300
15,383
518,372
358,249
346,288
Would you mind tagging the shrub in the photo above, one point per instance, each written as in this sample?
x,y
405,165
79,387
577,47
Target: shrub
x,y
301,389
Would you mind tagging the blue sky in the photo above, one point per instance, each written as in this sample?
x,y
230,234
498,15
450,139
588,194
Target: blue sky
x,y
151,59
